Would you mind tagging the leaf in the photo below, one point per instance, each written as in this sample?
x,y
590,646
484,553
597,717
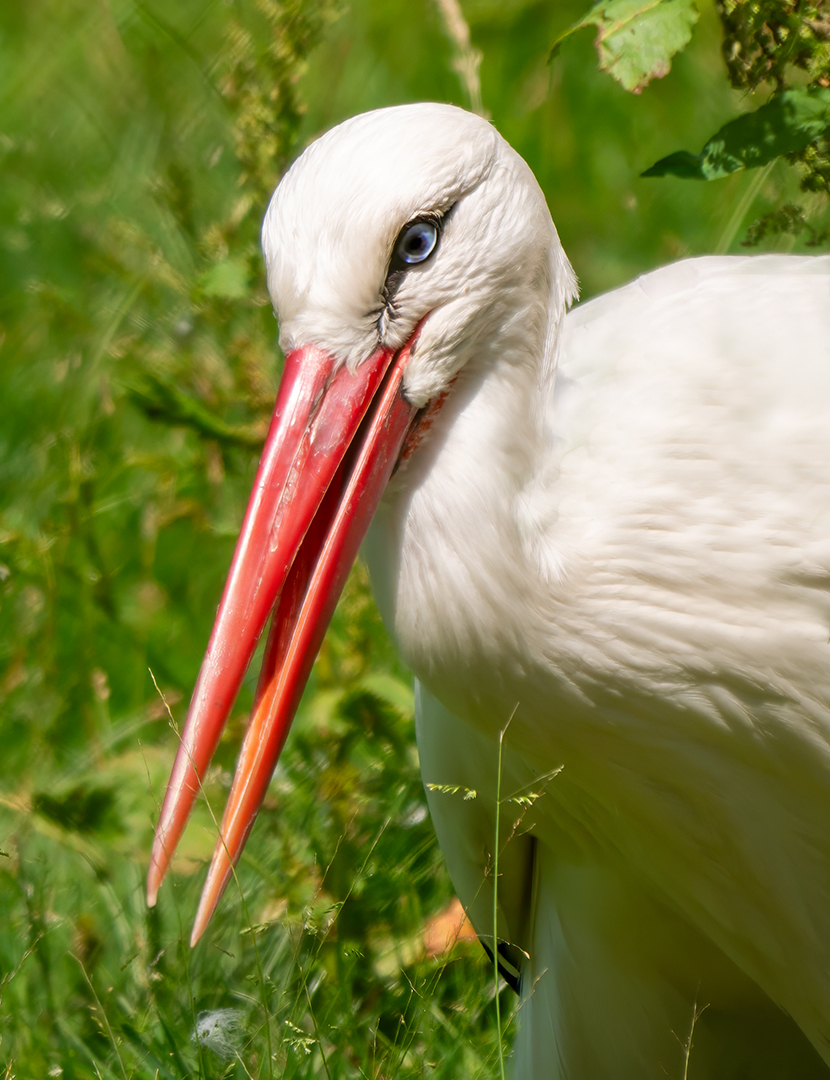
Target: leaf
x,y
636,39
789,122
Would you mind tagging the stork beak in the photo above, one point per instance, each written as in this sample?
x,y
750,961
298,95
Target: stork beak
x,y
334,440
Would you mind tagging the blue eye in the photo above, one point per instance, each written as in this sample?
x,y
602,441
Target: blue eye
x,y
415,243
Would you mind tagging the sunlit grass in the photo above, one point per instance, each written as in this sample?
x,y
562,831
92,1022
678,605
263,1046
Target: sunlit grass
x,y
315,964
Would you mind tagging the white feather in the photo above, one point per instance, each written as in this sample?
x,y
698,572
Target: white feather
x,y
632,559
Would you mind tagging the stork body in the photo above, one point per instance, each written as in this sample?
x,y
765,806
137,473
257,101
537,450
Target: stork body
x,y
610,529
660,627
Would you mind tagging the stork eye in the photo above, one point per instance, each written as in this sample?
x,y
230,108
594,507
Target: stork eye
x,y
415,244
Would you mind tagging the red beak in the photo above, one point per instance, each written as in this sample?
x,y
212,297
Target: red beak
x,y
334,440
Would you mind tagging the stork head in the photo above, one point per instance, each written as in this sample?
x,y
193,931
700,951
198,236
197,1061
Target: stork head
x,y
401,246
408,212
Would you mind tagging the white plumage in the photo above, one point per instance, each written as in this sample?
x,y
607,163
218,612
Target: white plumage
x,y
665,631
616,531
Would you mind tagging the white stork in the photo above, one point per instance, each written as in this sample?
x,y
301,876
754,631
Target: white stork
x,y
613,527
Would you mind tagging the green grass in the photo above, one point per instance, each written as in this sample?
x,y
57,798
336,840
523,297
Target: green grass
x,y
315,964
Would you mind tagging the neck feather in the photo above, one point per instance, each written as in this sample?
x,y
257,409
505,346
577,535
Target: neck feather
x,y
456,551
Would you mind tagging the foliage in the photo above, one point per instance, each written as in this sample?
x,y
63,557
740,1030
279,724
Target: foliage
x,y
320,968
636,39
768,43
764,40
788,124
139,144
136,295
780,43
790,220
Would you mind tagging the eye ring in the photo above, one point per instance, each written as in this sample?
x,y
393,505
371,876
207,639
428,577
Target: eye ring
x,y
416,242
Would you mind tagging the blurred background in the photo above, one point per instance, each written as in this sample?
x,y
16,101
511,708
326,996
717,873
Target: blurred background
x,y
139,144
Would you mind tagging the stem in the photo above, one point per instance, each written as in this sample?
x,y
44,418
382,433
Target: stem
x,y
496,904
749,196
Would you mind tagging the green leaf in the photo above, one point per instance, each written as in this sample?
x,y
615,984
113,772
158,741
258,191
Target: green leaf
x,y
789,122
636,39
